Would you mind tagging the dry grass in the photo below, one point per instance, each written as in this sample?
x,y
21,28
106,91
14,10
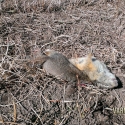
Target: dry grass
x,y
74,27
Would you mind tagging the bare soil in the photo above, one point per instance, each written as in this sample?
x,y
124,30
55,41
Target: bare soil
x,y
28,96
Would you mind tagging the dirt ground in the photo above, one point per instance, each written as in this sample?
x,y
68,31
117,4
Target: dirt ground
x,y
28,96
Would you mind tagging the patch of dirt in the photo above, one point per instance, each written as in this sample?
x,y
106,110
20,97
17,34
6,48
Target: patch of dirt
x,y
28,96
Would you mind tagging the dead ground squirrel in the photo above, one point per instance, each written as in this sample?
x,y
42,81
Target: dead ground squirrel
x,y
96,71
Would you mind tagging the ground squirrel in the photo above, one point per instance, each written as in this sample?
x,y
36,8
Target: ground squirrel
x,y
96,71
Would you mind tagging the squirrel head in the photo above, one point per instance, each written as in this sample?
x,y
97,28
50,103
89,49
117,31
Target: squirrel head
x,y
100,73
96,71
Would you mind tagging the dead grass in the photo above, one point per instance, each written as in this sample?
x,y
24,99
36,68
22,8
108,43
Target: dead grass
x,y
29,96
